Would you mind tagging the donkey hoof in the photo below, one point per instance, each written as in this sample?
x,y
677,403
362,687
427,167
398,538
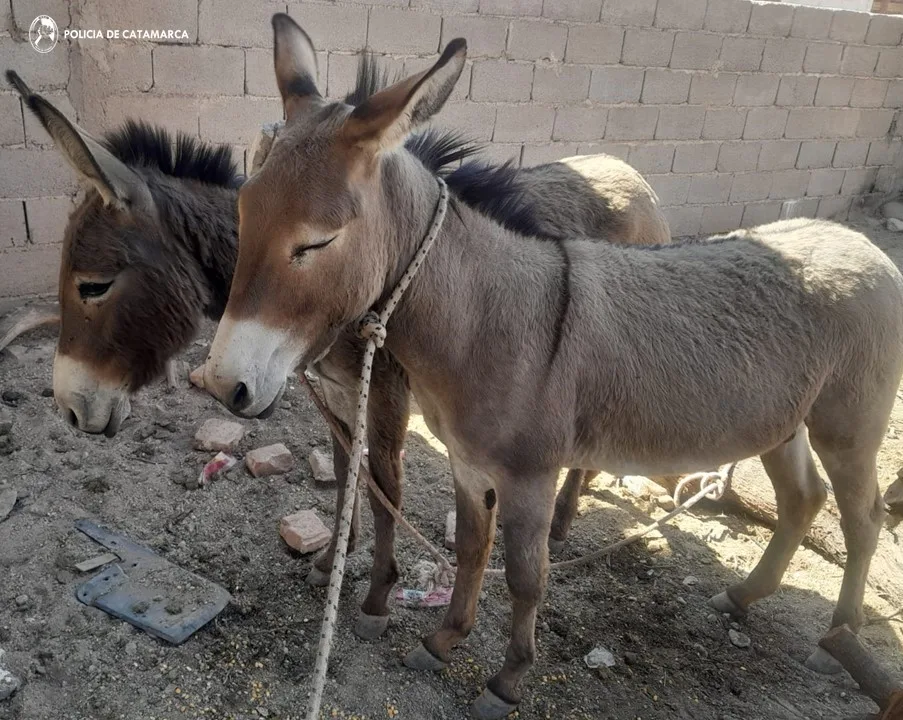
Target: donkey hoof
x,y
555,546
370,627
723,603
317,577
422,659
821,661
490,706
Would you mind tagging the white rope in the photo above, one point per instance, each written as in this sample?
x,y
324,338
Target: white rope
x,y
373,329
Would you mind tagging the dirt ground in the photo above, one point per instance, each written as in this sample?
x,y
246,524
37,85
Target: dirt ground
x,y
674,657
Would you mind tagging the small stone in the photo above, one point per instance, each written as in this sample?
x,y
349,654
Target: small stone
x,y
691,580
263,712
131,648
321,466
216,434
8,499
665,502
599,657
893,497
450,524
642,487
21,601
270,460
738,639
196,377
304,531
11,397
9,683
894,225
47,392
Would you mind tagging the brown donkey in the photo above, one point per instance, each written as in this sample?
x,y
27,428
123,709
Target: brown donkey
x,y
527,355
152,248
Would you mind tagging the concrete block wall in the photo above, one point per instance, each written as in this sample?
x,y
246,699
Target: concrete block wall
x,y
738,112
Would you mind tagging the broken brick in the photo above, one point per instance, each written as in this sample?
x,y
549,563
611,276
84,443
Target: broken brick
x,y
215,434
322,467
304,531
270,460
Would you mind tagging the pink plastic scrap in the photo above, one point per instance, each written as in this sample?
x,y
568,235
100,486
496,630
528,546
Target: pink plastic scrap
x,y
220,463
438,597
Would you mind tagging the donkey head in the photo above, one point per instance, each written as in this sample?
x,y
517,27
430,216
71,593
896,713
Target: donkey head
x,y
115,261
315,221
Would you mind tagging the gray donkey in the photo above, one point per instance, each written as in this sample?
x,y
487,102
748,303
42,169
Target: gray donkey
x,y
527,355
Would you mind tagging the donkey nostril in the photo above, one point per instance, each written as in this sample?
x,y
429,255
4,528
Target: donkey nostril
x,y
241,398
72,418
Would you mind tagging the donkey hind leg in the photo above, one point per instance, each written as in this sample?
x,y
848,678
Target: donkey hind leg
x,y
800,494
853,474
322,565
526,507
575,485
475,500
387,427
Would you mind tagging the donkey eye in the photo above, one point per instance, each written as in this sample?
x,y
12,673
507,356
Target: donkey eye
x,y
300,250
93,290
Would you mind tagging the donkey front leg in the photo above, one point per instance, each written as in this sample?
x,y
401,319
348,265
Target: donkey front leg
x,y
475,500
526,507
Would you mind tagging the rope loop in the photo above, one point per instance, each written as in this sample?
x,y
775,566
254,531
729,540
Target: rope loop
x,y
371,327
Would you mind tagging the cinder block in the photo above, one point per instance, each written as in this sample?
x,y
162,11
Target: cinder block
x,y
849,27
771,19
709,189
647,48
738,156
696,50
13,231
816,154
783,55
232,22
47,218
577,122
579,10
883,152
808,123
765,122
618,150
561,83
696,157
41,72
727,16
546,153
858,181
834,208
475,120
680,123
712,89
683,221
680,14
760,213
822,58
340,72
778,155
868,92
640,13
213,70
486,37
523,123
651,158
834,91
613,85
800,207
35,134
332,27
665,87
516,8
894,97
631,123
594,44
33,270
538,40
671,189
12,131
825,182
444,7
259,76
236,120
742,53
500,153
721,219
851,153
501,81
812,23
724,124
756,90
162,14
121,67
34,173
887,180
420,36
797,90
788,184
176,114
858,60
884,30
890,63
874,123
750,186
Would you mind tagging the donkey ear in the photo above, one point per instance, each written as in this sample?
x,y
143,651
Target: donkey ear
x,y
117,184
388,116
295,61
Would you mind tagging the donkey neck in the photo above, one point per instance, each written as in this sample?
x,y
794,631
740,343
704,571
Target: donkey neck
x,y
202,221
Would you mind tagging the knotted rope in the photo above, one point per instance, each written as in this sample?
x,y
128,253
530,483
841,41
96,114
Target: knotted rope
x,y
373,329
